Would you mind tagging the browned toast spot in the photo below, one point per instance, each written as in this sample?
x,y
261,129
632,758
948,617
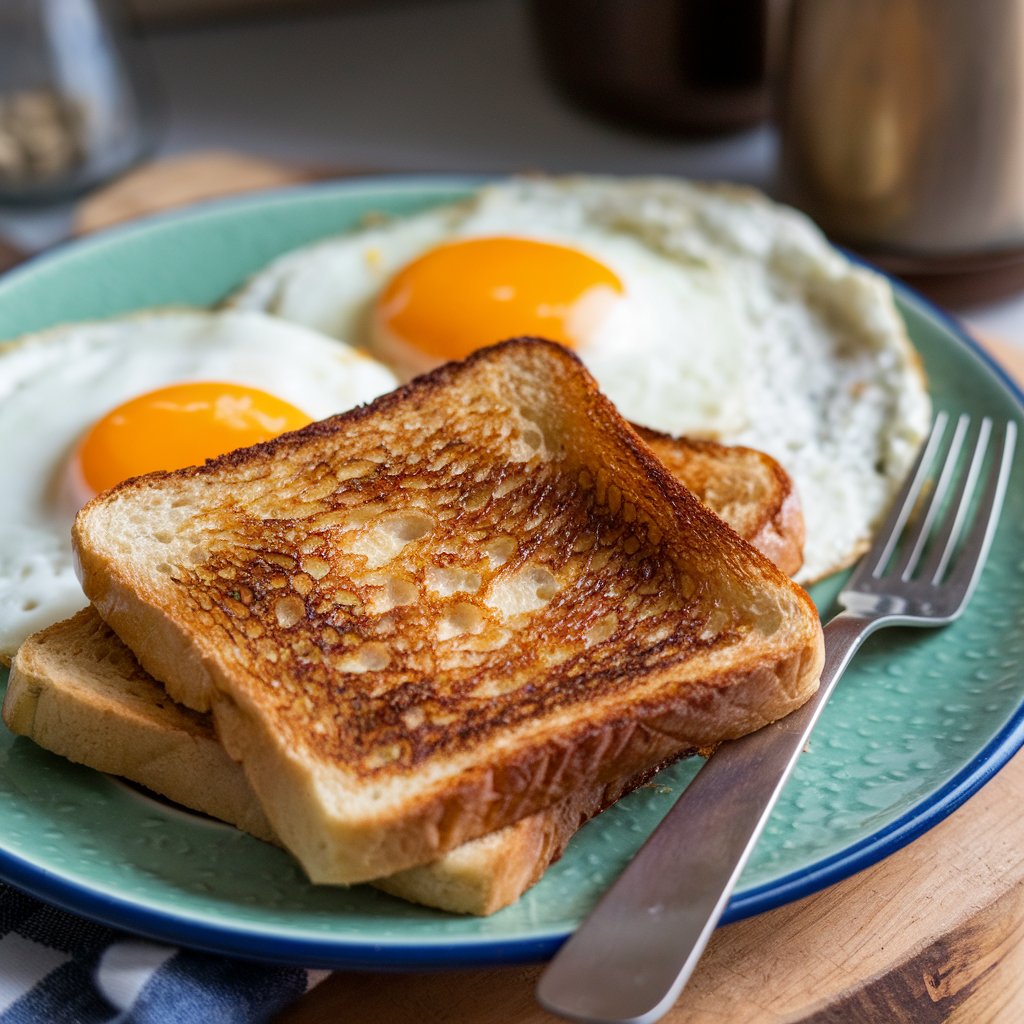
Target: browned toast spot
x,y
413,614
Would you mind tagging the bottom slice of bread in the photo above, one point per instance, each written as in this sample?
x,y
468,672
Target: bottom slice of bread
x,y
76,690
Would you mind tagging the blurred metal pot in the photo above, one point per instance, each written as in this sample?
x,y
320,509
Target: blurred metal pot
x,y
685,66
902,122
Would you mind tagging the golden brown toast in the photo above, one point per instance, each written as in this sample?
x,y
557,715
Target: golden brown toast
x,y
76,690
422,620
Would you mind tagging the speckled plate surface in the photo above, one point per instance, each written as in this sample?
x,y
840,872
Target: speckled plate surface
x,y
921,720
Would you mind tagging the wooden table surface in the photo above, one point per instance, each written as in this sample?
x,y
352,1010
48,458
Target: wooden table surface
x,y
934,933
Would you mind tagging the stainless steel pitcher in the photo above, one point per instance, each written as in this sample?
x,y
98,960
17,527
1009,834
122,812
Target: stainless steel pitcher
x,y
902,122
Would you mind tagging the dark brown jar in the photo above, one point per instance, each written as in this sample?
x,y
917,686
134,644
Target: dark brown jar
x,y
685,66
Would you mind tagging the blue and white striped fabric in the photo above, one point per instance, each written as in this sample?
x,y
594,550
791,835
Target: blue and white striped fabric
x,y
56,968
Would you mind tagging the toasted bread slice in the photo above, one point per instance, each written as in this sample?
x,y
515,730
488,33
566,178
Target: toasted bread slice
x,y
77,690
745,487
423,620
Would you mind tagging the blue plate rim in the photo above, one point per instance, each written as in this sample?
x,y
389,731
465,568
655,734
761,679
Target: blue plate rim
x,y
354,954
136,225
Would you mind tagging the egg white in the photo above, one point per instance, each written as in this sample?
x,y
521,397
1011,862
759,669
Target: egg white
x,y
55,384
740,322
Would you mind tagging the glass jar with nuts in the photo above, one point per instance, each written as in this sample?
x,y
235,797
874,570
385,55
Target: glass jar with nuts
x,y
76,106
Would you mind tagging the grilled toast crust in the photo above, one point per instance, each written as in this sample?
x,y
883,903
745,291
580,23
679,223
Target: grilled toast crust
x,y
422,620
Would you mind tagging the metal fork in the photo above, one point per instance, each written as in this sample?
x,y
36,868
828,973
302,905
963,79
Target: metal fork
x,y
630,959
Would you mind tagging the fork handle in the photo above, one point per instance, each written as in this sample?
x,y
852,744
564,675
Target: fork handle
x,y
631,957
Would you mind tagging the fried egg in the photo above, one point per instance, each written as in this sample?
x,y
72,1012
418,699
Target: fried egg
x,y
84,406
700,309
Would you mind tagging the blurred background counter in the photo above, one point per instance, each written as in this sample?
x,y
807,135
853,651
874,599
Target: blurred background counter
x,y
403,85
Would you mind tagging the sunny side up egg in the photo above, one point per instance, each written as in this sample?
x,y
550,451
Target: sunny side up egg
x,y
84,406
515,261
702,310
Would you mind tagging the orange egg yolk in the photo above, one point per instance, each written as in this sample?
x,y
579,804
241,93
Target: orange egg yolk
x,y
463,295
180,425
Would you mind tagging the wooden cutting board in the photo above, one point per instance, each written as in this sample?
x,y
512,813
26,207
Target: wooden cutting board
x,y
934,933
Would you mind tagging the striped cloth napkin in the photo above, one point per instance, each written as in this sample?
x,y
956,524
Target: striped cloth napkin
x,y
57,968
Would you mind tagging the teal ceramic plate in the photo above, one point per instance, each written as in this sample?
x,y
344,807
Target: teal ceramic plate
x,y
920,721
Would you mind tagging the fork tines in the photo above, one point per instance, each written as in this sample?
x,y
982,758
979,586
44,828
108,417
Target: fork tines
x,y
942,522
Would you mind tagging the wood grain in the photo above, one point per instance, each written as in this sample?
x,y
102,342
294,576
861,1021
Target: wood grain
x,y
180,181
934,933
9,255
1011,356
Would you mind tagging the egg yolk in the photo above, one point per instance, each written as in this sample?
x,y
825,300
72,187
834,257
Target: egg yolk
x,y
466,294
180,425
